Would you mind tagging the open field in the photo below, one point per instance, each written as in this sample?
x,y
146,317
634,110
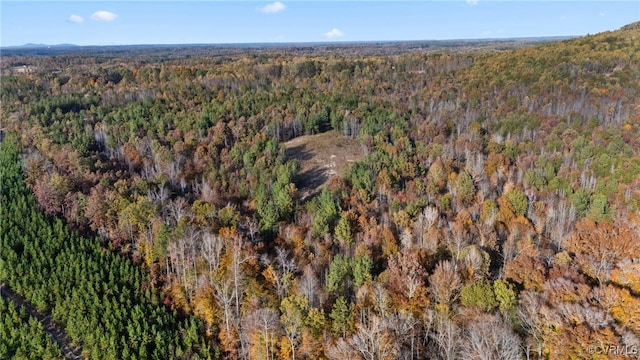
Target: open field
x,y
321,157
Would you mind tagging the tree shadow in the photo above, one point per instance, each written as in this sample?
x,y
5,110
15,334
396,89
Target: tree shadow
x,y
299,153
310,181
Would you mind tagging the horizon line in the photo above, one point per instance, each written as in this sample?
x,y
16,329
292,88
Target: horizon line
x,y
293,43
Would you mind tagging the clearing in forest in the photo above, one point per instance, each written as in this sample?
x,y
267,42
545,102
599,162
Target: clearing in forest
x,y
321,157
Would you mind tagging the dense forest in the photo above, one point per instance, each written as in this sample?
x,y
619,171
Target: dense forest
x,y
101,300
156,207
22,336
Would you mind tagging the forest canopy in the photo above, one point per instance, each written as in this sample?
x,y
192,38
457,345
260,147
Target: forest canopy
x,y
491,205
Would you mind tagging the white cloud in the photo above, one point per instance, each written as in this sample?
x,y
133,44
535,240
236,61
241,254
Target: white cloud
x,y
603,14
472,2
76,18
334,33
273,7
103,15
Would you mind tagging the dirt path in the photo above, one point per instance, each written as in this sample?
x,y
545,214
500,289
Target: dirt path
x,y
70,352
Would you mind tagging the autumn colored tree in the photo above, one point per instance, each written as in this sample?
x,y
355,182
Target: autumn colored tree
x,y
444,284
489,187
600,247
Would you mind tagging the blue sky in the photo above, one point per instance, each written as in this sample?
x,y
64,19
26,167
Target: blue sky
x,y
183,22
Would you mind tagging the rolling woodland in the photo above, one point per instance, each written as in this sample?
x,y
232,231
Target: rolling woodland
x,y
467,202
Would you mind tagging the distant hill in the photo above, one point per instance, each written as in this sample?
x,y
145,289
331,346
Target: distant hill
x,y
41,46
632,26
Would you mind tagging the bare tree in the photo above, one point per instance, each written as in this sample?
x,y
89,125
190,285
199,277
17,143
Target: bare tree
x,y
373,338
204,191
424,222
252,229
309,285
341,350
177,210
267,322
560,220
238,257
179,263
406,273
404,328
488,337
475,165
456,240
225,296
284,264
445,283
529,310
159,193
447,339
212,252
186,248
281,270
228,285
406,239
